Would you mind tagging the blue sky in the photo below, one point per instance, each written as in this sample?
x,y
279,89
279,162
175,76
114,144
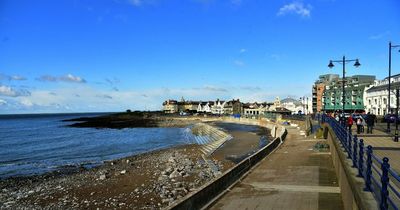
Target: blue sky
x,y
113,55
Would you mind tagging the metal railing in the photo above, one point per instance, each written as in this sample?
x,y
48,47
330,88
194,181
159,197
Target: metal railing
x,y
380,179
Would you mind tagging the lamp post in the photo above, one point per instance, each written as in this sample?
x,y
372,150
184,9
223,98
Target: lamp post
x,y
390,72
396,132
343,62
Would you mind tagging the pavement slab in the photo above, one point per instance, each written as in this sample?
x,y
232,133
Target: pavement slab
x,y
295,176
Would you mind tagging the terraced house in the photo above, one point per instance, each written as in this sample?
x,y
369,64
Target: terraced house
x,y
377,96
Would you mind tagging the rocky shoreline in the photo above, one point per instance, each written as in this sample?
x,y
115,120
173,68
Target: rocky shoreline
x,y
152,180
148,181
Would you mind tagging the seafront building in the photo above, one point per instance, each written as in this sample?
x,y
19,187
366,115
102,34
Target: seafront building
x,y
232,107
318,90
303,105
376,96
332,96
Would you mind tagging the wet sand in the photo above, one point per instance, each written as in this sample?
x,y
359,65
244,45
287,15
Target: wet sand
x,y
152,180
246,141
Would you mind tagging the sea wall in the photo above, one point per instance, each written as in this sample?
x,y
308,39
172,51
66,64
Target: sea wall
x,y
209,136
351,186
218,186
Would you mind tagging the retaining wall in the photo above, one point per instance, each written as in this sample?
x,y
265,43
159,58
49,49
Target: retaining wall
x,y
216,187
350,185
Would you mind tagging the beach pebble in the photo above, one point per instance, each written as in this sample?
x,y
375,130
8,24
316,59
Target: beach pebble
x,y
123,172
102,177
174,174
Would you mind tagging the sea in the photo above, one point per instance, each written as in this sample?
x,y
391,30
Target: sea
x,y
38,143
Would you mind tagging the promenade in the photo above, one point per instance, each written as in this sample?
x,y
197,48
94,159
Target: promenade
x,y
295,176
383,145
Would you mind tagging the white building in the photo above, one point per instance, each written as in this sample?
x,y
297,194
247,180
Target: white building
x,y
213,107
376,96
218,107
255,108
304,105
204,107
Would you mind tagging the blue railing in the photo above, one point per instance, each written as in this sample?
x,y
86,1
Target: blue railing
x,y
380,179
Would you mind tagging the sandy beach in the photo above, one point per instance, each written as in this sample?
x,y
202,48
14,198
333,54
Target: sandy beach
x,y
151,180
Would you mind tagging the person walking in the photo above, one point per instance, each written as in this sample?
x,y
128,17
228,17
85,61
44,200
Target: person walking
x,y
359,124
371,118
350,123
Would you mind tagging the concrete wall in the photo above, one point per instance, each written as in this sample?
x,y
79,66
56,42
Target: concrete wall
x,y
216,187
350,185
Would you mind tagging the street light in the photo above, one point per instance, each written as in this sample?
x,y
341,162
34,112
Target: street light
x,y
344,61
390,72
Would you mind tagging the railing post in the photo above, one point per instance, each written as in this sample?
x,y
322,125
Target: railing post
x,y
361,158
349,149
368,172
355,152
384,181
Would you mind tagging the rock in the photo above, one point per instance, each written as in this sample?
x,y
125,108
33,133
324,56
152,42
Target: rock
x,y
174,174
123,172
169,170
102,177
171,160
127,161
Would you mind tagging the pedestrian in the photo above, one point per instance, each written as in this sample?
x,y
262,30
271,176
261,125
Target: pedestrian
x,y
363,124
359,124
371,118
350,123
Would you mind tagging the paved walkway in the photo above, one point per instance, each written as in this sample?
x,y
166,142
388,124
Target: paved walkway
x,y
383,145
293,177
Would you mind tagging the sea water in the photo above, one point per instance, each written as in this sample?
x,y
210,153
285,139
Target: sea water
x,y
35,144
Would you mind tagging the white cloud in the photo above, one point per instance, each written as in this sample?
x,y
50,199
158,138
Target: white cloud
x,y
214,88
3,102
12,77
295,8
238,63
47,78
26,102
104,96
16,77
65,78
9,91
243,50
72,78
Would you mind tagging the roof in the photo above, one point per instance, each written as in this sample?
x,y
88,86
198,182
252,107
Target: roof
x,y
282,109
393,86
291,100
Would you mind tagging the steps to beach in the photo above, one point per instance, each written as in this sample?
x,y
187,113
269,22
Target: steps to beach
x,y
210,138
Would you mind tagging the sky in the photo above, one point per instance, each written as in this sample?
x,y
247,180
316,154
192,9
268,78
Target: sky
x,y
114,55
